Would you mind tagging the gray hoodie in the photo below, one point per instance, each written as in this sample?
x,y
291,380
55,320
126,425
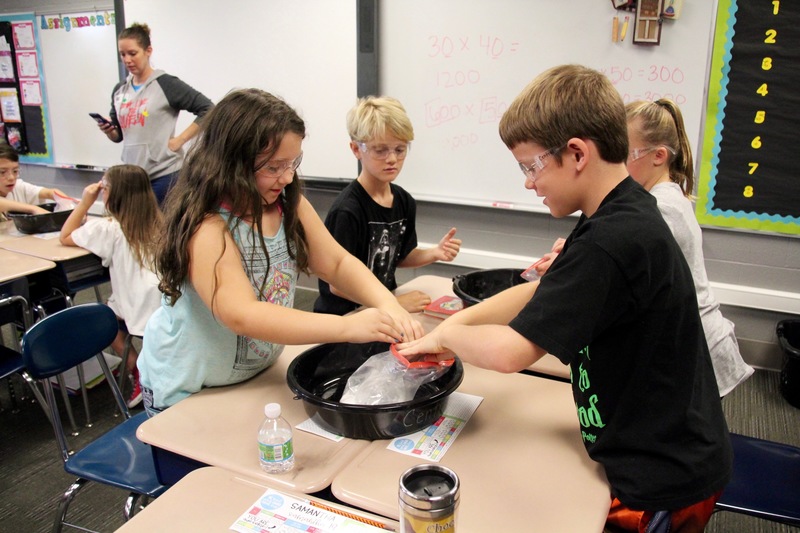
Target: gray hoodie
x,y
146,120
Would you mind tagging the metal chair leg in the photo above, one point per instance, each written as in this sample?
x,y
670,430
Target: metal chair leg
x,y
70,303
85,396
65,396
123,366
38,394
134,503
63,505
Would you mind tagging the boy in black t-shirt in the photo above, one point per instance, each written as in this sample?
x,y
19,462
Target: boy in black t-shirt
x,y
617,305
373,218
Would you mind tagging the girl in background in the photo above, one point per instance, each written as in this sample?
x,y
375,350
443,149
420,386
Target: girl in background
x,y
125,242
238,232
145,109
660,159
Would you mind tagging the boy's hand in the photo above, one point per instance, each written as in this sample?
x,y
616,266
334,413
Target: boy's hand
x,y
414,301
427,348
36,210
448,247
548,258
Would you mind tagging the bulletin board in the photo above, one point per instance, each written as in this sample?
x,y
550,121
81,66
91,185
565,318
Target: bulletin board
x,y
23,100
79,60
748,174
456,66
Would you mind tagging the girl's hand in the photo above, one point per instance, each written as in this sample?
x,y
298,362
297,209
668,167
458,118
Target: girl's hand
x,y
91,193
408,326
448,247
371,325
414,301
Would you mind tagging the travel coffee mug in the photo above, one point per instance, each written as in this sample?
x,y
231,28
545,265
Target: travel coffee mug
x,y
428,499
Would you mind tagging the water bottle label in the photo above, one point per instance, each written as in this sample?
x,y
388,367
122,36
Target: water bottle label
x,y
275,453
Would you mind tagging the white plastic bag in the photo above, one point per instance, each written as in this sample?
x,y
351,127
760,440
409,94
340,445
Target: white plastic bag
x,y
64,203
388,377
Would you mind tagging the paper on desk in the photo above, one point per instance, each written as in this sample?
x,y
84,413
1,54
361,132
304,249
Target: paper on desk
x,y
430,443
312,427
276,511
433,442
47,236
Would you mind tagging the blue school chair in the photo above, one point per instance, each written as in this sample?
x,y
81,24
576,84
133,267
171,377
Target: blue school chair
x,y
15,309
117,458
765,482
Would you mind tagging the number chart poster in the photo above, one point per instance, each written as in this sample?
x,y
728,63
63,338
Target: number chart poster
x,y
749,174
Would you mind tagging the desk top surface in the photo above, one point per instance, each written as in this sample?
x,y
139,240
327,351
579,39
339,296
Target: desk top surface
x,y
8,230
208,499
520,460
520,454
49,248
14,265
218,427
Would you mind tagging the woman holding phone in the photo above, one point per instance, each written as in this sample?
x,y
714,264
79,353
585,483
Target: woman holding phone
x,y
144,112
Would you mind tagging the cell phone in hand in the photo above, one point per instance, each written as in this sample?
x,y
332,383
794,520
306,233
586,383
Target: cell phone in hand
x,y
100,119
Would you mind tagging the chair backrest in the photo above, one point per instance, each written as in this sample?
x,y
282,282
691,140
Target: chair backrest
x,y
64,340
68,338
15,293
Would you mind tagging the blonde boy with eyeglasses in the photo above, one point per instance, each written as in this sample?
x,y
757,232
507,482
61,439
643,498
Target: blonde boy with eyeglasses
x,y
17,195
373,218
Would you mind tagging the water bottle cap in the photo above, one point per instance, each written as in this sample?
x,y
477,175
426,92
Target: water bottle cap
x,y
272,410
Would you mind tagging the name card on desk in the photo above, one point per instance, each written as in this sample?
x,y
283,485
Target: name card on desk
x,y
279,510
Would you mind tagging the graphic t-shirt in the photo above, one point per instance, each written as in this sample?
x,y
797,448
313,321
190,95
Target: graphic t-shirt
x,y
381,237
186,348
618,305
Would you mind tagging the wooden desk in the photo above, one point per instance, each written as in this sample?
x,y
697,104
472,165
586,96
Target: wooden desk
x,y
520,460
14,265
76,268
436,286
9,231
208,499
50,248
218,427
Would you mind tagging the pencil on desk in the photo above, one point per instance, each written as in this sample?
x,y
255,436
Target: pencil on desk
x,y
614,28
351,515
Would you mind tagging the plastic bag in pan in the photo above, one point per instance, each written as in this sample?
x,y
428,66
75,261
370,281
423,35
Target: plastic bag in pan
x,y
388,377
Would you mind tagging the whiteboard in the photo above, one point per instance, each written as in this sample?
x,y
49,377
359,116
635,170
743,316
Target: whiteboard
x,y
456,66
303,51
80,69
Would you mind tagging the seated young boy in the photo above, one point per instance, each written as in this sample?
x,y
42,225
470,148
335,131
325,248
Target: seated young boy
x,y
15,194
373,218
617,305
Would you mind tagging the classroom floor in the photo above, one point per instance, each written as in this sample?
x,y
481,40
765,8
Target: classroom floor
x,y
32,477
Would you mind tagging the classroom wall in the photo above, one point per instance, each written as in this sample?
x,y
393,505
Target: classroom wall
x,y
494,238
759,261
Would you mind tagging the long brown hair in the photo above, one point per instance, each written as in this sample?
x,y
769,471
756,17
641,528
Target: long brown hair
x,y
662,125
220,168
130,200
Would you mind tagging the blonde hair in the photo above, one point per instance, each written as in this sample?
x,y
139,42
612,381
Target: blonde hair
x,y
565,102
374,116
661,124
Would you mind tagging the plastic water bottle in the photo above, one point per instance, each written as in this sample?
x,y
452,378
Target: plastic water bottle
x,y
275,445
